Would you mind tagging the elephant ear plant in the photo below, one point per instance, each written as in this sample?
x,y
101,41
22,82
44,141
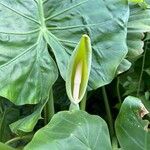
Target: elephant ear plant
x,y
57,58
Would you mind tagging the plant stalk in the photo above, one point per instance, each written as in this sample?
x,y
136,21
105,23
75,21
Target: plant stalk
x,y
19,138
83,102
114,143
1,106
108,111
74,106
142,70
118,91
49,110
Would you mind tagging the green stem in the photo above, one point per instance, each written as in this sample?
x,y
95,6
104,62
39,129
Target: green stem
x,y
118,90
114,143
1,106
2,124
19,138
41,14
74,106
108,112
83,102
49,110
142,70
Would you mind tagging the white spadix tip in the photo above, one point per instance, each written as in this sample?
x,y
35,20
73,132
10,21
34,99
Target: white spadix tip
x,y
77,81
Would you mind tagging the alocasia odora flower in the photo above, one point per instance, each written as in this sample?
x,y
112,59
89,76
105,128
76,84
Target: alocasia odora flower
x,y
78,70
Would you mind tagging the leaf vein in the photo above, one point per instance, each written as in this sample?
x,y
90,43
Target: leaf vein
x,y
19,13
21,33
61,12
132,139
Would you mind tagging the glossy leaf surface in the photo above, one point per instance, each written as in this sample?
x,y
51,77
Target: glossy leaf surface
x,y
27,26
132,130
71,131
138,24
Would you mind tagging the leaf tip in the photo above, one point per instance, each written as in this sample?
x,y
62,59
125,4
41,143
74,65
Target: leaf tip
x,y
143,111
86,40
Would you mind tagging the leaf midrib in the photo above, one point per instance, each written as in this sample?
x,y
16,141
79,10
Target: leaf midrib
x,y
132,139
41,14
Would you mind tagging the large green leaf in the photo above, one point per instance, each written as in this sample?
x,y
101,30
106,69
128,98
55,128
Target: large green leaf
x,y
132,131
71,131
109,45
24,59
27,26
138,24
22,75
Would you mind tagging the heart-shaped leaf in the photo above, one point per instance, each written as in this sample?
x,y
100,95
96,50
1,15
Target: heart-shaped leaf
x,y
27,26
71,131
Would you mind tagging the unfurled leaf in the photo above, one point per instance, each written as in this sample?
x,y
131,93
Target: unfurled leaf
x,y
28,123
79,70
75,130
132,130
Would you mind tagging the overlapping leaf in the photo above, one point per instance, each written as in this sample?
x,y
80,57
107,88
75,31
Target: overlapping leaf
x,y
132,130
138,24
71,131
27,26
106,26
28,123
24,59
124,66
8,116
